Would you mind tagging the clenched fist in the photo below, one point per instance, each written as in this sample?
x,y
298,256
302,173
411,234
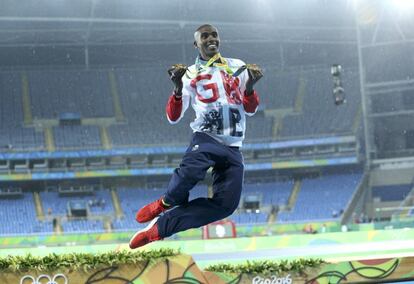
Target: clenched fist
x,y
176,73
255,74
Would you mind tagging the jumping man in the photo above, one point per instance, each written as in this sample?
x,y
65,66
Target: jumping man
x,y
221,93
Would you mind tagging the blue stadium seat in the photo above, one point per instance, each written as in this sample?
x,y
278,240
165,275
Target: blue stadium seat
x,y
322,198
99,203
18,216
54,92
391,192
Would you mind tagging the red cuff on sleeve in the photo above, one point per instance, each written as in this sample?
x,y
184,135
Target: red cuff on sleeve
x,y
251,102
174,107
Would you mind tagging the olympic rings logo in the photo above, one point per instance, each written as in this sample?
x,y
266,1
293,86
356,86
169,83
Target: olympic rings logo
x,y
39,279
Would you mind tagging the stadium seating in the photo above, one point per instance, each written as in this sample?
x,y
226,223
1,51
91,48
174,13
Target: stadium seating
x,y
11,111
270,194
274,193
82,226
18,138
258,128
391,192
99,203
77,136
278,90
242,218
18,216
323,198
76,91
320,116
393,65
143,93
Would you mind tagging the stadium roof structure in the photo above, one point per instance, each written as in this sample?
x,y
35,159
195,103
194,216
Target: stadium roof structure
x,y
106,22
103,22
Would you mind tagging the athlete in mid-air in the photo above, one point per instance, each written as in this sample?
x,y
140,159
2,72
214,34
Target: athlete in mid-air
x,y
221,93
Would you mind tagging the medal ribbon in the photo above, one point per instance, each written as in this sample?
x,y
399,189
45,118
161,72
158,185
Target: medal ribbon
x,y
212,63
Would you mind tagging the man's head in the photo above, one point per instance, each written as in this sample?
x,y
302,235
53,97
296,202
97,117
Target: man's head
x,y
207,40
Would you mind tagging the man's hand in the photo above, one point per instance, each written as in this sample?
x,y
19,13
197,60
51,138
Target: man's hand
x,y
255,74
176,73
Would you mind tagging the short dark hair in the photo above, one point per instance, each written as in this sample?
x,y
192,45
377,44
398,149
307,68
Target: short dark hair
x,y
203,26
200,27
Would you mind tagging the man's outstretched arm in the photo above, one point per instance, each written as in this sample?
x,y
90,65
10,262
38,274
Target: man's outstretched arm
x,y
250,98
174,108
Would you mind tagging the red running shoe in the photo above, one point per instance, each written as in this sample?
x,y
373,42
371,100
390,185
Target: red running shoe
x,y
150,211
145,236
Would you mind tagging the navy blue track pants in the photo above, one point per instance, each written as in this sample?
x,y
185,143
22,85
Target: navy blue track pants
x,y
228,171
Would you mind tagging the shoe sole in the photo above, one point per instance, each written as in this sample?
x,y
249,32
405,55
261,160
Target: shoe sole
x,y
149,226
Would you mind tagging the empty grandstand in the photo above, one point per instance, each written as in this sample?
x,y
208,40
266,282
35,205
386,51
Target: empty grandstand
x,y
84,139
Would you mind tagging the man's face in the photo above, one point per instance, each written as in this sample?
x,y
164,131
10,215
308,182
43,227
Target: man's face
x,y
207,41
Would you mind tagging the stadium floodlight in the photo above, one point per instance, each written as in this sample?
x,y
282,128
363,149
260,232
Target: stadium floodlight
x,y
353,3
403,5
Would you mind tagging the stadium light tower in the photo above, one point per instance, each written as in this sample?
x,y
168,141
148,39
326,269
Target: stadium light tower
x,y
384,46
366,124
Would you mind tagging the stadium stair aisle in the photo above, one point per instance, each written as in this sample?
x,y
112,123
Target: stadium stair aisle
x,y
357,119
117,206
106,142
58,229
407,203
277,125
49,140
108,226
272,218
294,195
301,93
27,111
38,205
119,115
278,116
